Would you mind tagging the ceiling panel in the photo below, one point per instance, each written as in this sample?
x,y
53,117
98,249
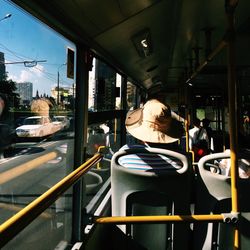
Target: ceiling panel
x,y
176,28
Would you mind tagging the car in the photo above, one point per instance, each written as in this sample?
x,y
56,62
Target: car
x,y
65,122
36,126
19,121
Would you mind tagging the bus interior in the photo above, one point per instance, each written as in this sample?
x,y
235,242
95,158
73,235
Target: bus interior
x,y
69,191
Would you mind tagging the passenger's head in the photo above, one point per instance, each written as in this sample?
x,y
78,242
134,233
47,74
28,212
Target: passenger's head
x,y
196,122
154,123
41,106
205,122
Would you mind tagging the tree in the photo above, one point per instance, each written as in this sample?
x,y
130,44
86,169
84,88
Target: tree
x,y
8,88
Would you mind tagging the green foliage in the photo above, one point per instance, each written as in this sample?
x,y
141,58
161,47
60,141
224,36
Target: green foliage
x,y
8,88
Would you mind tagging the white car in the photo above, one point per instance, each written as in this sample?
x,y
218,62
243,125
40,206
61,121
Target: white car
x,y
36,126
65,123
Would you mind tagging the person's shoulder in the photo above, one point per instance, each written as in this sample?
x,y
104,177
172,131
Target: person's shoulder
x,y
131,146
194,129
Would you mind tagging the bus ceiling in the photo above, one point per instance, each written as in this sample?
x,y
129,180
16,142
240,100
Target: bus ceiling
x,y
154,41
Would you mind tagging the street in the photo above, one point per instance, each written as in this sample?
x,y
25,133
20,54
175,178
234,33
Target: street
x,y
27,172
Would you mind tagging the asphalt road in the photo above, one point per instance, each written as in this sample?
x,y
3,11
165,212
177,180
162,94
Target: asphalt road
x,y
25,173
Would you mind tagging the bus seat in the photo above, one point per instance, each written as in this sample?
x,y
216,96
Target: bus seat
x,y
157,191
213,195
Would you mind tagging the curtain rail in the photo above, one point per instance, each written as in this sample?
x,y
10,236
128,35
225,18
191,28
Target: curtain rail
x,y
19,221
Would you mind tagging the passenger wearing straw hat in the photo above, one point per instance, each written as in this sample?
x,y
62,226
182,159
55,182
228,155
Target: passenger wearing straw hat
x,y
154,123
154,126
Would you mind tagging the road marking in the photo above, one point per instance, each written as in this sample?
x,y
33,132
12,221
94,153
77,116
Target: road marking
x,y
26,167
14,208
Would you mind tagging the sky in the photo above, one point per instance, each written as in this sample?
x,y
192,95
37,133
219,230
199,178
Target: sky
x,y
24,38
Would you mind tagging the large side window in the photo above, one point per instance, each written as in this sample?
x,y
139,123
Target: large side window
x,y
35,155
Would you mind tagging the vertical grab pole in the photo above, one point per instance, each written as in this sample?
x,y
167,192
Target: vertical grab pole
x,y
230,7
187,122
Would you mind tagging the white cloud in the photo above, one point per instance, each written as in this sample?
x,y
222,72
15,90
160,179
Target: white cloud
x,y
25,76
37,70
28,74
13,77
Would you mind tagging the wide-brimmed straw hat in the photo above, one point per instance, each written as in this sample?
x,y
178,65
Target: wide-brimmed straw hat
x,y
154,123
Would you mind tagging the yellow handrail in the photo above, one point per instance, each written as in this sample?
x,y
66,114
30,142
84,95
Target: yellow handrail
x,y
100,150
20,220
159,219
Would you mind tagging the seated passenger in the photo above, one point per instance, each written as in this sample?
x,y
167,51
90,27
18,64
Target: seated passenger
x,y
198,140
154,126
243,164
206,125
224,165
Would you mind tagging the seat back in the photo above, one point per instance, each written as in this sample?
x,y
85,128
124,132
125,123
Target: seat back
x,y
214,196
152,181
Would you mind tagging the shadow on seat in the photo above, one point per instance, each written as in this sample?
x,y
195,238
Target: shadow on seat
x,y
214,196
152,190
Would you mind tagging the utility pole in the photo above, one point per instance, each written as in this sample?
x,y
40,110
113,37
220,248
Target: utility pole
x,y
58,84
58,94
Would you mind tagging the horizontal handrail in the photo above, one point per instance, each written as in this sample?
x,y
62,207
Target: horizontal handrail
x,y
161,219
24,217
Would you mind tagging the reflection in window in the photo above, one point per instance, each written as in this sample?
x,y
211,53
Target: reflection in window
x,y
35,87
104,87
101,135
131,95
32,121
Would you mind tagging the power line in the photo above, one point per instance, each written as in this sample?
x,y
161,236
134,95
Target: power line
x,y
28,64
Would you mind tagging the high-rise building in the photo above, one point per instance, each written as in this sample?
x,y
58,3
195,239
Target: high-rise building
x,y
92,87
25,90
105,86
2,66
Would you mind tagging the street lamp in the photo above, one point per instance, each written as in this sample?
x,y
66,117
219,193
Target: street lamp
x,y
6,16
58,83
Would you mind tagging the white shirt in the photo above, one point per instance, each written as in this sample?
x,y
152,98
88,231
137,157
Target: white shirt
x,y
196,134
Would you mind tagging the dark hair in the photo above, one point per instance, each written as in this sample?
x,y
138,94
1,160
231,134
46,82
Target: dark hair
x,y
205,122
196,122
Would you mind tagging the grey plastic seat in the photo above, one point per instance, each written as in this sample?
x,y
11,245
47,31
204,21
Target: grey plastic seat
x,y
149,192
214,196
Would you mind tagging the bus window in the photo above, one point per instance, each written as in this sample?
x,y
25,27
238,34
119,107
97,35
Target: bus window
x,y
34,81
